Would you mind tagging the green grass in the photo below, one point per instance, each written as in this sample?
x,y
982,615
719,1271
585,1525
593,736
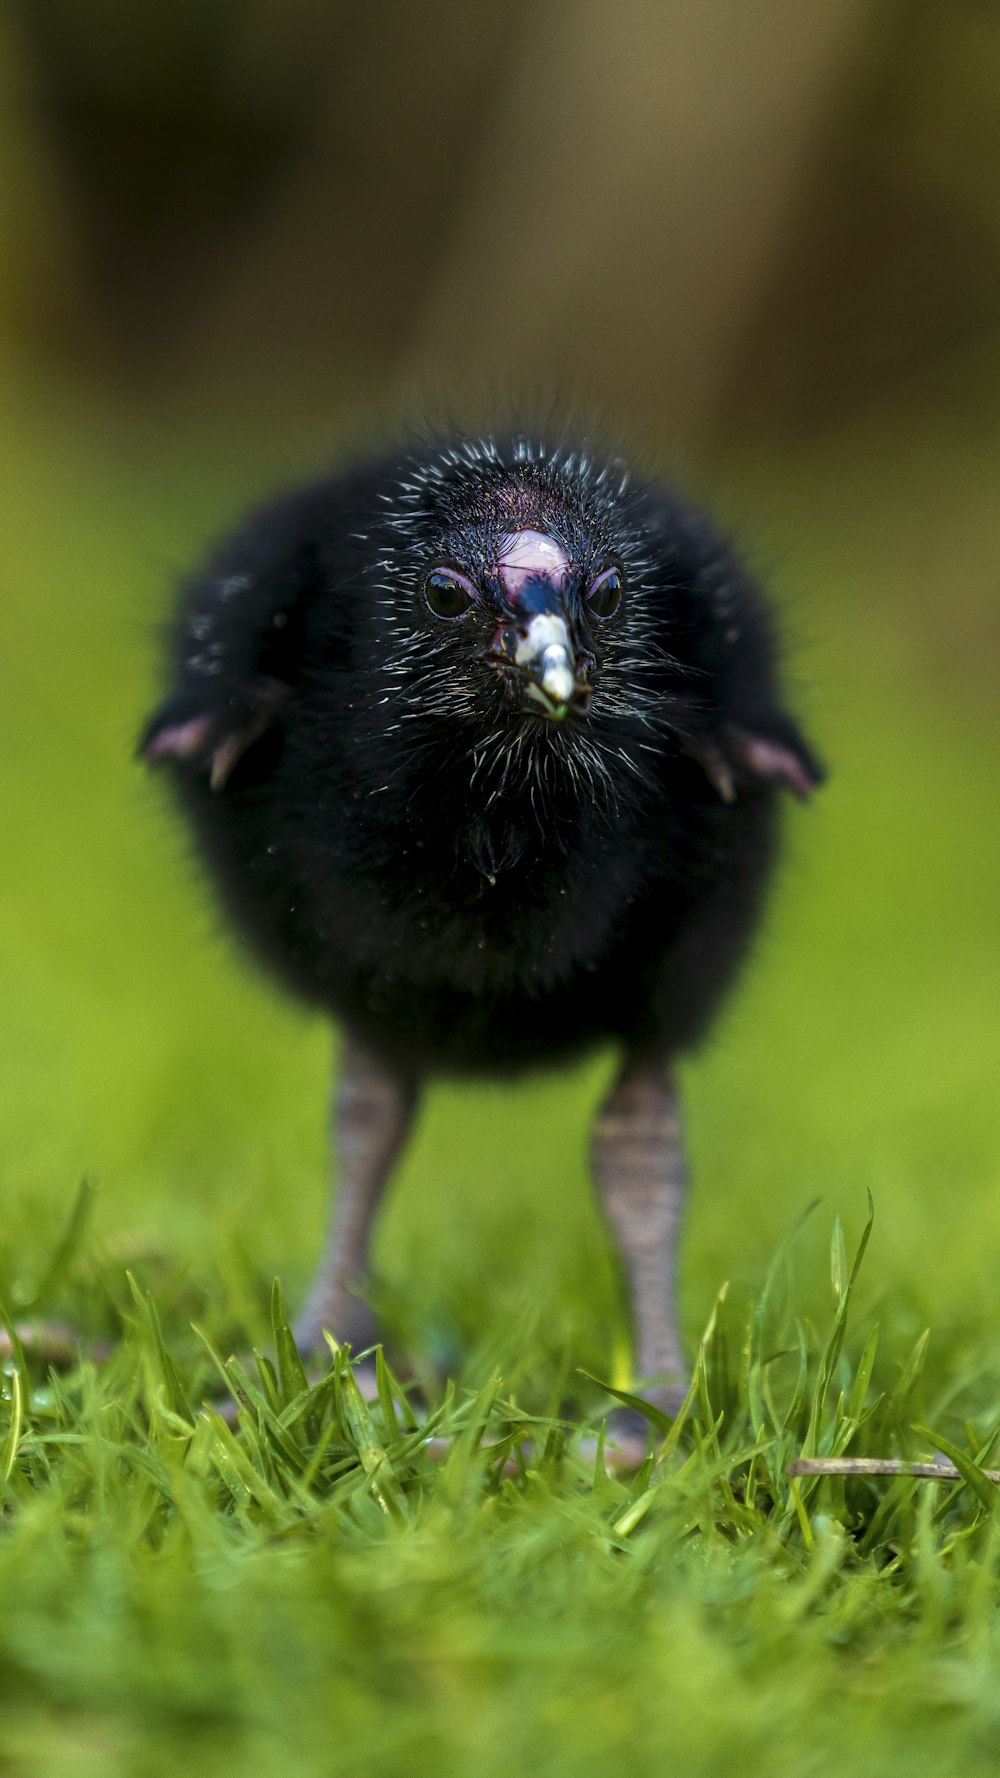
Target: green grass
x,y
312,1591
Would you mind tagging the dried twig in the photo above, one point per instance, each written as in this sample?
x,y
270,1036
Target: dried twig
x,y
932,1472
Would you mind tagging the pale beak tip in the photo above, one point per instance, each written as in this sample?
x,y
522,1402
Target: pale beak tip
x,y
556,677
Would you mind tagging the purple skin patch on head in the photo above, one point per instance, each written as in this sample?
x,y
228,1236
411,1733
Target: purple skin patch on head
x,y
530,555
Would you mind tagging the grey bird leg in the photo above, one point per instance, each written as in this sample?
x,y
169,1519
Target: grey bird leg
x,y
373,1111
639,1172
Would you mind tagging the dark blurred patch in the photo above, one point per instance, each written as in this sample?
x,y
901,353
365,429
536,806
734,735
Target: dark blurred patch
x,y
170,129
731,220
301,164
893,262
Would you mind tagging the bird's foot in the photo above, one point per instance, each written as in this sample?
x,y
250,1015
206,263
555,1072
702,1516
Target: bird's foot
x,y
631,1437
349,1319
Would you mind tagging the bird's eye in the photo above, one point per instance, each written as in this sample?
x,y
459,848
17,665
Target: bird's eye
x,y
448,594
605,595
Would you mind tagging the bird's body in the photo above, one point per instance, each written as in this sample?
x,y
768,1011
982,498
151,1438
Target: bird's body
x,y
482,743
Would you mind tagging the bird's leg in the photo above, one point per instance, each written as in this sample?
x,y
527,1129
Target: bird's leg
x,y
373,1111
639,1172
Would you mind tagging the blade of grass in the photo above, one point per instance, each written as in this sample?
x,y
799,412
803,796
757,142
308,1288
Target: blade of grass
x,y
68,1244
149,1321
292,1379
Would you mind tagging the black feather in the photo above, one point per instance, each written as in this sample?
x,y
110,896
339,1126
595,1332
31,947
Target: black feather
x,y
466,884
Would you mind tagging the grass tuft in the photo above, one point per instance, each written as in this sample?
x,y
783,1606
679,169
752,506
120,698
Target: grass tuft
x,y
202,1562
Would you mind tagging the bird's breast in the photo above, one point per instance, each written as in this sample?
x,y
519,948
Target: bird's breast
x,y
492,906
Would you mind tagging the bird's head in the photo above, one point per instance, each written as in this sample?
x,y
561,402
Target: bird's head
x,y
517,619
541,643
513,585
535,596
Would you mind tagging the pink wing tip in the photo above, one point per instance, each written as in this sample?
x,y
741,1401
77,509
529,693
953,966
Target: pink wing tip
x,y
179,740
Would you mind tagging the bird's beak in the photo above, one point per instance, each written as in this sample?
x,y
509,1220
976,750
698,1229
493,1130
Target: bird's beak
x,y
541,651
534,647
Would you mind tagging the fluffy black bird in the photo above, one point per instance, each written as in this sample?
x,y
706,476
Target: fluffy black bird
x,y
482,743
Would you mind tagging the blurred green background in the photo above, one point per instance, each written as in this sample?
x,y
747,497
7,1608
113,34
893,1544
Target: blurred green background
x,y
238,242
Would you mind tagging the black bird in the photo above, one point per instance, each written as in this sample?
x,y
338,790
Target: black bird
x,y
482,743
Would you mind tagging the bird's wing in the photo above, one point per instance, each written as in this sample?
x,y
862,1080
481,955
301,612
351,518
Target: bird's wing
x,y
729,716
238,637
212,737
772,751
